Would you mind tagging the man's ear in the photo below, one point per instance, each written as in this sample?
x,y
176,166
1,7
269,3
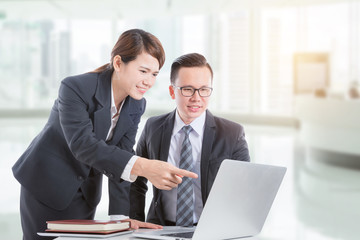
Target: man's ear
x,y
117,62
172,91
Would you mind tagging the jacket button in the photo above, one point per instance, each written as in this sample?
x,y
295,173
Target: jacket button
x,y
80,178
156,203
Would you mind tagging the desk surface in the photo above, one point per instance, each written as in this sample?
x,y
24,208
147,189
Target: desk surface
x,y
127,237
329,124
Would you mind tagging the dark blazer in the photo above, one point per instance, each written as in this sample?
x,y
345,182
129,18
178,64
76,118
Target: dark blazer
x,y
222,139
71,153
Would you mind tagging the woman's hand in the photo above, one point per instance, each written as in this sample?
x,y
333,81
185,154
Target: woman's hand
x,y
161,174
135,224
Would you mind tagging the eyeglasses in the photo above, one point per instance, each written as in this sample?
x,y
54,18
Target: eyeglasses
x,y
190,91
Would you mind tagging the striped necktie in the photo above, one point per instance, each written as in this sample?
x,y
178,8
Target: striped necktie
x,y
184,211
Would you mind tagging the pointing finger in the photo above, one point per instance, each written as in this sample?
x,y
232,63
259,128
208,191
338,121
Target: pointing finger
x,y
185,173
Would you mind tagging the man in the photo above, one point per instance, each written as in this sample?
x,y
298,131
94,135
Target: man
x,y
204,145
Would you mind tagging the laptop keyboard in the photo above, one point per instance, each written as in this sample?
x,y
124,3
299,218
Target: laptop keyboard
x,y
181,234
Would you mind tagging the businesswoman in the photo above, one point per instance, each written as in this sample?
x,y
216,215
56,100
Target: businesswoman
x,y
91,132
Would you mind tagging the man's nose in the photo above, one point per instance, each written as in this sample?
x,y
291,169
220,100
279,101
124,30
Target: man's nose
x,y
196,95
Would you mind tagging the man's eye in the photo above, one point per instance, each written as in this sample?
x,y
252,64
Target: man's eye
x,y
187,89
204,90
143,71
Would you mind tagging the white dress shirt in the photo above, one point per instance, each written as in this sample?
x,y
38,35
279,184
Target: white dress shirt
x,y
169,198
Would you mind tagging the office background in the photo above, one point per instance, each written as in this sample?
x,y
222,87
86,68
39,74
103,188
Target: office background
x,y
289,71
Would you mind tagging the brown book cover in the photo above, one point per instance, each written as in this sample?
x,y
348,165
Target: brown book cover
x,y
87,226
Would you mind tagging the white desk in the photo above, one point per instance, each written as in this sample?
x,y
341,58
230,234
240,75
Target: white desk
x,y
128,237
329,124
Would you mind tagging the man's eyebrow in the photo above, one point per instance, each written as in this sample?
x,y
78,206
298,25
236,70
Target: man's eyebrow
x,y
195,87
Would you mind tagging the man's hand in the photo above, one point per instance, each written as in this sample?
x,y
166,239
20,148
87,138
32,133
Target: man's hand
x,y
161,174
135,224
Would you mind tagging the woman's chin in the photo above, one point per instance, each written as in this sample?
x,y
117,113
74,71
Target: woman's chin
x,y
137,96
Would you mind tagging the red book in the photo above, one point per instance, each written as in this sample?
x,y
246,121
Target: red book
x,y
87,226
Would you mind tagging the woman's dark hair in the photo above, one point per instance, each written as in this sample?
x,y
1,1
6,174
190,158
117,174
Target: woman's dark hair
x,y
132,43
188,60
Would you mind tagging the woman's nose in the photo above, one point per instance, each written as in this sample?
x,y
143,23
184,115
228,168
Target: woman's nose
x,y
149,81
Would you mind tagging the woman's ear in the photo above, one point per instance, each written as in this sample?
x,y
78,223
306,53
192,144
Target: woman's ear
x,y
172,91
117,62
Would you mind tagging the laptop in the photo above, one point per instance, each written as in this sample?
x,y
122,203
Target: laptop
x,y
237,206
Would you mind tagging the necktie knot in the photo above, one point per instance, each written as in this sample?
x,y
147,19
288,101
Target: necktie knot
x,y
187,129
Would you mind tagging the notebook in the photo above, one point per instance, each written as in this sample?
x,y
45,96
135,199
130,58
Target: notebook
x,y
83,235
237,206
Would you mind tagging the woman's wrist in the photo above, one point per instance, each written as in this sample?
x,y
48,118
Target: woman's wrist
x,y
138,168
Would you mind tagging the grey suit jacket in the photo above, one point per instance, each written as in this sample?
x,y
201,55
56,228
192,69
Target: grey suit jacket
x,y
71,153
222,139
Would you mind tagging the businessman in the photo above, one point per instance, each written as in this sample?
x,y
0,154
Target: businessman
x,y
189,137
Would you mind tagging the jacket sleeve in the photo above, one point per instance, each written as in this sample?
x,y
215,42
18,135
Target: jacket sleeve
x,y
139,188
241,150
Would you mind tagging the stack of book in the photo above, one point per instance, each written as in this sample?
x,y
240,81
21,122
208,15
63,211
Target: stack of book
x,y
87,226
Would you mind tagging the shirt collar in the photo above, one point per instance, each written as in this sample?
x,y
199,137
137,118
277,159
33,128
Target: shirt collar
x,y
113,108
197,125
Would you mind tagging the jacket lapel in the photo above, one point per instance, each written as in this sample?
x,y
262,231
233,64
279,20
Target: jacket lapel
x,y
166,130
102,113
208,139
125,121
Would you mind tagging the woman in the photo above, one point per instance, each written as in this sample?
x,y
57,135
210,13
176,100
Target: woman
x,y
91,131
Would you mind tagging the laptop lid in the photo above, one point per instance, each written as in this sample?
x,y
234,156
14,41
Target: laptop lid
x,y
239,200
238,203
